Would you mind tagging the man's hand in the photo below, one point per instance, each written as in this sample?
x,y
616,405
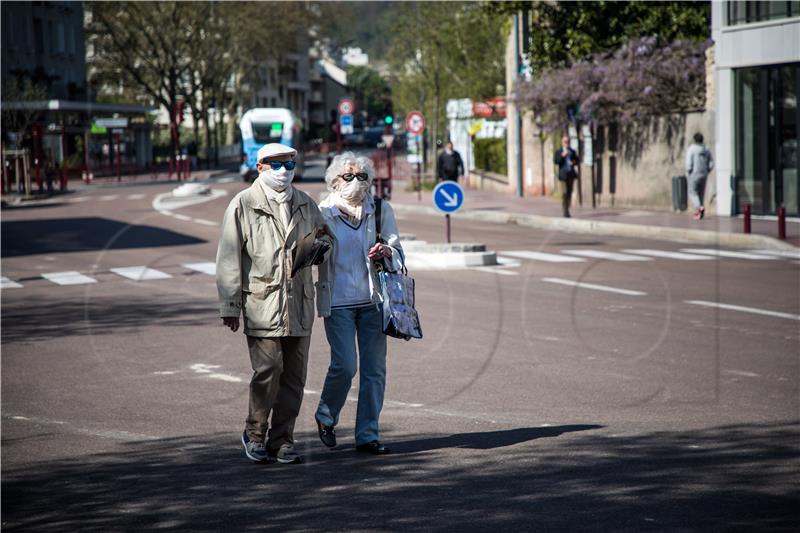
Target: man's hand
x,y
231,322
379,251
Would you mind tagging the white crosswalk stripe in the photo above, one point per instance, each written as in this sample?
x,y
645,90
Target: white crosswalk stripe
x,y
790,254
743,309
594,286
68,278
542,256
135,196
611,256
726,253
670,255
6,283
206,268
108,197
140,273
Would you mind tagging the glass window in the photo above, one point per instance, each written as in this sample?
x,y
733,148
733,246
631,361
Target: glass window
x,y
748,105
789,170
742,12
265,132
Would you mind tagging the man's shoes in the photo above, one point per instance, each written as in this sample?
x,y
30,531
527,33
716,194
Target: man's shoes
x,y
286,455
255,451
374,447
327,434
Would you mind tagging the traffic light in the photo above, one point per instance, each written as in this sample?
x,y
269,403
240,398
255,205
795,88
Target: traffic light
x,y
388,119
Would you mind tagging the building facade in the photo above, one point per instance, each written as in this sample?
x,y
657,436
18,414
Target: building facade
x,y
757,119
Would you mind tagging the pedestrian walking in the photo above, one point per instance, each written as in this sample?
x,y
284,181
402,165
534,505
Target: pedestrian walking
x,y
566,159
349,296
260,231
698,164
449,166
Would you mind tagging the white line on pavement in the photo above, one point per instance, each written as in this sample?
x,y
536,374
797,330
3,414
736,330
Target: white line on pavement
x,y
181,217
6,283
726,253
108,197
206,268
135,196
140,273
791,254
601,254
207,370
670,255
68,278
593,286
744,309
78,199
743,373
496,270
107,434
205,222
541,256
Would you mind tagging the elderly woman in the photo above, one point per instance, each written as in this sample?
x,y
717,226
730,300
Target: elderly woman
x,y
348,297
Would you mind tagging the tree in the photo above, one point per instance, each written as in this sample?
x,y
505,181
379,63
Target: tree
x,y
444,50
18,120
369,89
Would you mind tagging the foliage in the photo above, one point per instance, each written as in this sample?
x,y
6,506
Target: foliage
x,y
18,121
444,50
563,33
491,155
369,88
640,79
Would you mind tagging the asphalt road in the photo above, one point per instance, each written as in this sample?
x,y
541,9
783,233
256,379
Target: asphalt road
x,y
630,402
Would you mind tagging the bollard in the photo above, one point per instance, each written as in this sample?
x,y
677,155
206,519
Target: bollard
x,y
782,223
747,218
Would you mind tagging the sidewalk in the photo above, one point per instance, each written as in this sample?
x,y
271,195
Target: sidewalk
x,y
545,213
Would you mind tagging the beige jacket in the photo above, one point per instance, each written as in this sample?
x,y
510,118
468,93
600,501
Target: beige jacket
x,y
254,262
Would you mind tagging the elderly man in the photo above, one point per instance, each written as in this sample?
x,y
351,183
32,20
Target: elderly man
x,y
260,233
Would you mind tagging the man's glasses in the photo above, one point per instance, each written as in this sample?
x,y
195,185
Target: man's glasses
x,y
350,176
276,165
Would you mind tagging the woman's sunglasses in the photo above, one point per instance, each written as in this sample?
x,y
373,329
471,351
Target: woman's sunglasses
x,y
276,165
350,176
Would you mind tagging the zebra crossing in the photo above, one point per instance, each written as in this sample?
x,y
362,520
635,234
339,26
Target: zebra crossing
x,y
135,273
647,254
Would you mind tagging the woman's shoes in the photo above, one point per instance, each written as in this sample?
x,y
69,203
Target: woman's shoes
x,y
374,447
327,434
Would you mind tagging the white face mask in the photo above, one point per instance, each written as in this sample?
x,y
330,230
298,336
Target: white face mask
x,y
354,191
278,180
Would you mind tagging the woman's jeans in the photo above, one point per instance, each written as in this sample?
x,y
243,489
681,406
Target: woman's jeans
x,y
342,328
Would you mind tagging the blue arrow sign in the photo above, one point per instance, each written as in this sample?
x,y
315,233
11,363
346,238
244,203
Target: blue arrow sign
x,y
346,120
448,197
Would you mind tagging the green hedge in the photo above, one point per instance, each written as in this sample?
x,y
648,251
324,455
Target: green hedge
x,y
490,155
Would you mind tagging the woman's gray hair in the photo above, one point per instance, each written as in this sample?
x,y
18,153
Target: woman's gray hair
x,y
342,161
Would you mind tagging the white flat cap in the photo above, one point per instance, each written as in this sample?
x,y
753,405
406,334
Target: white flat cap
x,y
273,150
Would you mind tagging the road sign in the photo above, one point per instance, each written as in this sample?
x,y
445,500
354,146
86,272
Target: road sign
x,y
415,123
111,122
346,124
346,106
388,140
448,197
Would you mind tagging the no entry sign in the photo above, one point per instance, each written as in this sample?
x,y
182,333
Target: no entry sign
x,y
346,106
415,123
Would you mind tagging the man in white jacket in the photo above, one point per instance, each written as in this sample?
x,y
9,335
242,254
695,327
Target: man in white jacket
x,y
698,164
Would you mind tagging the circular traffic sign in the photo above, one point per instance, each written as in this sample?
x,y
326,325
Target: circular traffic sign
x,y
415,123
346,106
448,197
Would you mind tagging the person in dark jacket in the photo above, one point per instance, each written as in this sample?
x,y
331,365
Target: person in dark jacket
x,y
566,159
449,166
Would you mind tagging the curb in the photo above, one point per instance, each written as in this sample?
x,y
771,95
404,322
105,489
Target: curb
x,y
618,229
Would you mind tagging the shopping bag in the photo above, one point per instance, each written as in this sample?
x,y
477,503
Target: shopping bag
x,y
400,318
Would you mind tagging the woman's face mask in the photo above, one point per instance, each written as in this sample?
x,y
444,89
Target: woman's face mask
x,y
353,191
278,180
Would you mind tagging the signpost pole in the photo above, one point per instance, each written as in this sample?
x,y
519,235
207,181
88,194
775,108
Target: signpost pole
x,y
447,224
419,169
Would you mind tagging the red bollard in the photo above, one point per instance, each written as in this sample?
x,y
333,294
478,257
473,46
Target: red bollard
x,y
782,223
747,218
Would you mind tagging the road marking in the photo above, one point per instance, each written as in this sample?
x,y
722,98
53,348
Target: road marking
x,y
611,256
726,253
182,217
135,196
68,278
791,254
6,283
496,270
108,197
744,309
743,373
226,180
593,286
541,256
140,273
108,434
205,222
206,268
670,255
207,370
78,199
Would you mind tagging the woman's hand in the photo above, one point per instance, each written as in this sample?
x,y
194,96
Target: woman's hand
x,y
231,322
379,251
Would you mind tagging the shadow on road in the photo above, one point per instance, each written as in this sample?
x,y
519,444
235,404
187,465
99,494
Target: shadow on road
x,y
58,235
35,319
734,478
